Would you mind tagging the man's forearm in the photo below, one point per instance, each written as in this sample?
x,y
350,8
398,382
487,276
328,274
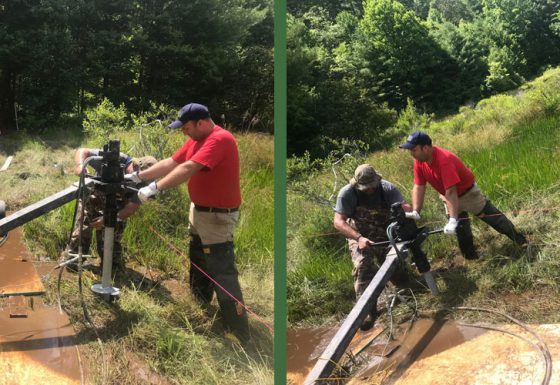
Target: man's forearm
x,y
418,193
79,157
129,209
158,170
180,174
452,202
347,230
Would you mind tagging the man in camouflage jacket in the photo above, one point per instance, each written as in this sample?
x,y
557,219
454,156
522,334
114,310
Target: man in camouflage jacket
x,y
362,214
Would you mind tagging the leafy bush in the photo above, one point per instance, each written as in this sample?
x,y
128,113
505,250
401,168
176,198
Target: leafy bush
x,y
410,120
153,134
104,121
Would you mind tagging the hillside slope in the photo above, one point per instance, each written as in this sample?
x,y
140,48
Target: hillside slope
x,y
512,143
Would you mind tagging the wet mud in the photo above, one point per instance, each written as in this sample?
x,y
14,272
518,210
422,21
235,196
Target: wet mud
x,y
14,249
17,273
412,343
432,352
373,352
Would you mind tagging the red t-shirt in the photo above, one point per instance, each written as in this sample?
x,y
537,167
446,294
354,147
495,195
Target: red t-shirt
x,y
217,184
445,171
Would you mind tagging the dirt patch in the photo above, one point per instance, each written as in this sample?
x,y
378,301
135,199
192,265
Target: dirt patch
x,y
142,373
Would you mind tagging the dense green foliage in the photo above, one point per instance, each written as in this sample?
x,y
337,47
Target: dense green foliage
x,y
59,57
511,142
352,67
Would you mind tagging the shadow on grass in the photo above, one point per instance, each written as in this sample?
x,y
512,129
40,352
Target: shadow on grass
x,y
459,286
113,329
122,321
13,141
135,280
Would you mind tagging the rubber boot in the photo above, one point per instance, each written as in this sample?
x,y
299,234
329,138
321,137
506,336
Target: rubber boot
x,y
465,237
499,222
220,261
201,287
235,319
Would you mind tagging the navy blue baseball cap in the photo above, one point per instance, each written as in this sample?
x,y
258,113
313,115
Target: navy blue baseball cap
x,y
415,139
192,111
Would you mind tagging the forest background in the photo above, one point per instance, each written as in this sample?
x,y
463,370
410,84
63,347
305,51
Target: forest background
x,y
60,57
353,66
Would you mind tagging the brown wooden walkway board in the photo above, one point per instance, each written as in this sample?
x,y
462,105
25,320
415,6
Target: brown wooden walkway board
x,y
18,276
37,343
37,349
14,249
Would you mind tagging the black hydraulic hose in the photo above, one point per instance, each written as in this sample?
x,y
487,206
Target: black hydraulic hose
x,y
391,238
81,194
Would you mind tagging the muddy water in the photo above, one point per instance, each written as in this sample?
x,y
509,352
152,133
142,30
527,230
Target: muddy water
x,y
377,355
17,273
303,348
14,249
427,337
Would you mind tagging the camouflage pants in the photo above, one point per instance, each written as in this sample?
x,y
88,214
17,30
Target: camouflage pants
x,y
366,264
93,209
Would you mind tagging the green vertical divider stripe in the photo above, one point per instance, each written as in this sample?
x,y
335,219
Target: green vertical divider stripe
x,y
280,192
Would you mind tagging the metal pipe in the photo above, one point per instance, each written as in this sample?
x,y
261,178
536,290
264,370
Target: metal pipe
x,y
340,342
108,240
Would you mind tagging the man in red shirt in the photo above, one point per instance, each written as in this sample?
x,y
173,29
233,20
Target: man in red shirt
x,y
209,162
455,183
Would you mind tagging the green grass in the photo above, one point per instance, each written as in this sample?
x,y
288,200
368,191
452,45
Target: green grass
x,y
528,159
152,329
511,143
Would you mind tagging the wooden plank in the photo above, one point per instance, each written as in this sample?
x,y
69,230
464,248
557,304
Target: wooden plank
x,y
19,278
7,163
37,209
38,349
334,351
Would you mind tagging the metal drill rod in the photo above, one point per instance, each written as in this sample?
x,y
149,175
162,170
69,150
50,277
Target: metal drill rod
x,y
383,243
37,209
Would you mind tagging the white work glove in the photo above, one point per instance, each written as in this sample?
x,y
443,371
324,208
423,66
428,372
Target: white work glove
x,y
412,215
145,192
133,177
451,226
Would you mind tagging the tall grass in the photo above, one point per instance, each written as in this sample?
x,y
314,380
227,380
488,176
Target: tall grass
x,y
511,143
165,331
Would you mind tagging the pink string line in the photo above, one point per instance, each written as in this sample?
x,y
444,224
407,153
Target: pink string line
x,y
514,212
261,320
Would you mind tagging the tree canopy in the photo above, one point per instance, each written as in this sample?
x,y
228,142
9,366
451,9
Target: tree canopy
x,y
353,67
61,56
